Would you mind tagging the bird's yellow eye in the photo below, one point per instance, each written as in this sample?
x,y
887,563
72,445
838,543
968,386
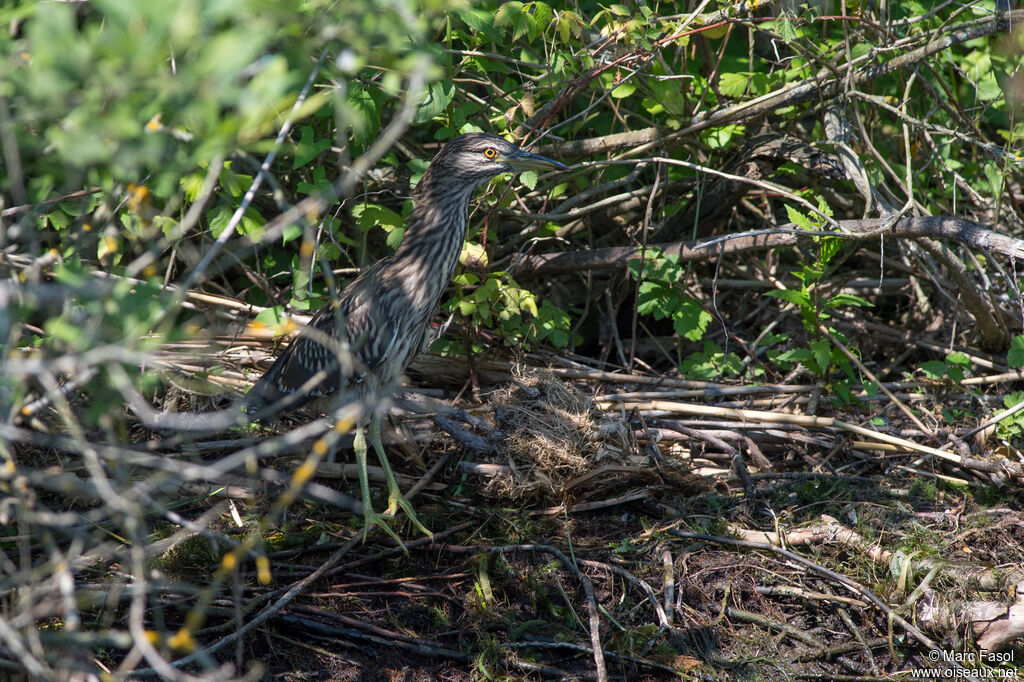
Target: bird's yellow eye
x,y
491,153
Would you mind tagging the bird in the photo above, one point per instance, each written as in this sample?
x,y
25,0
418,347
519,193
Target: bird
x,y
356,348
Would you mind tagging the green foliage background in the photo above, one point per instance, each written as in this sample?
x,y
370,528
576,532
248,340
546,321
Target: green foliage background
x,y
120,117
132,132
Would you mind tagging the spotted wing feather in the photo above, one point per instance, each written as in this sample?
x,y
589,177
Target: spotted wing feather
x,y
371,336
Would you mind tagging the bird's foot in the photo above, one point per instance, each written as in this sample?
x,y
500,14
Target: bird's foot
x,y
396,501
382,521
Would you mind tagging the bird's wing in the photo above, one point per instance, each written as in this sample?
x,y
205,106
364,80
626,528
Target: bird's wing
x,y
368,332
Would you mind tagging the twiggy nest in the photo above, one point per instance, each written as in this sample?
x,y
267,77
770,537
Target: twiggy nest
x,y
554,434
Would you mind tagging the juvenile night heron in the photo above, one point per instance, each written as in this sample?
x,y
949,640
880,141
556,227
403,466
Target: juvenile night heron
x,y
359,345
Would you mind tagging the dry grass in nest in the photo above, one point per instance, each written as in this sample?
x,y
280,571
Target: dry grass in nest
x,y
554,433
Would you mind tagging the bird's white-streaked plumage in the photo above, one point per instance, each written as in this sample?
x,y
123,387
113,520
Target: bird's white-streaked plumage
x,y
385,313
358,346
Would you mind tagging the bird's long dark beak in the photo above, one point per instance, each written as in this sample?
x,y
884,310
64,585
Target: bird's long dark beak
x,y
524,161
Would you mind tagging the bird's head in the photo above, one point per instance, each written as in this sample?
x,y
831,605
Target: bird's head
x,y
475,158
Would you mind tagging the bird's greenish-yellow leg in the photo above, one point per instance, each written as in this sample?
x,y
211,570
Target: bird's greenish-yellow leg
x,y
370,516
395,497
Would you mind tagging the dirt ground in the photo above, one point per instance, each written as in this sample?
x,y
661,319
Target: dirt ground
x,y
549,539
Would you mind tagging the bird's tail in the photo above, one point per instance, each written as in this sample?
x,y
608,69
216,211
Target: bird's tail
x,y
263,395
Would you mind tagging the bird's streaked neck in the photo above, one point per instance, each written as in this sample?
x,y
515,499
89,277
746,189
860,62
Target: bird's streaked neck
x,y
434,234
437,226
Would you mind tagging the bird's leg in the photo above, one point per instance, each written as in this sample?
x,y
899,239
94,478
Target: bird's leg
x,y
395,497
370,516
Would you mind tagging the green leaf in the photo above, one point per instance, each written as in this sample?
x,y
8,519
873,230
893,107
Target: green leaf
x,y
828,247
801,355
480,20
843,392
624,90
861,49
507,13
568,25
525,25
252,223
849,299
528,178
690,320
192,185
272,316
652,106
655,298
362,112
394,238
826,210
799,219
417,167
822,351
438,97
719,137
1013,399
983,75
308,147
233,183
320,182
1015,356
300,284
784,27
733,84
220,216
369,215
542,15
554,324
797,298
995,177
291,233
59,219
958,359
66,331
933,369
